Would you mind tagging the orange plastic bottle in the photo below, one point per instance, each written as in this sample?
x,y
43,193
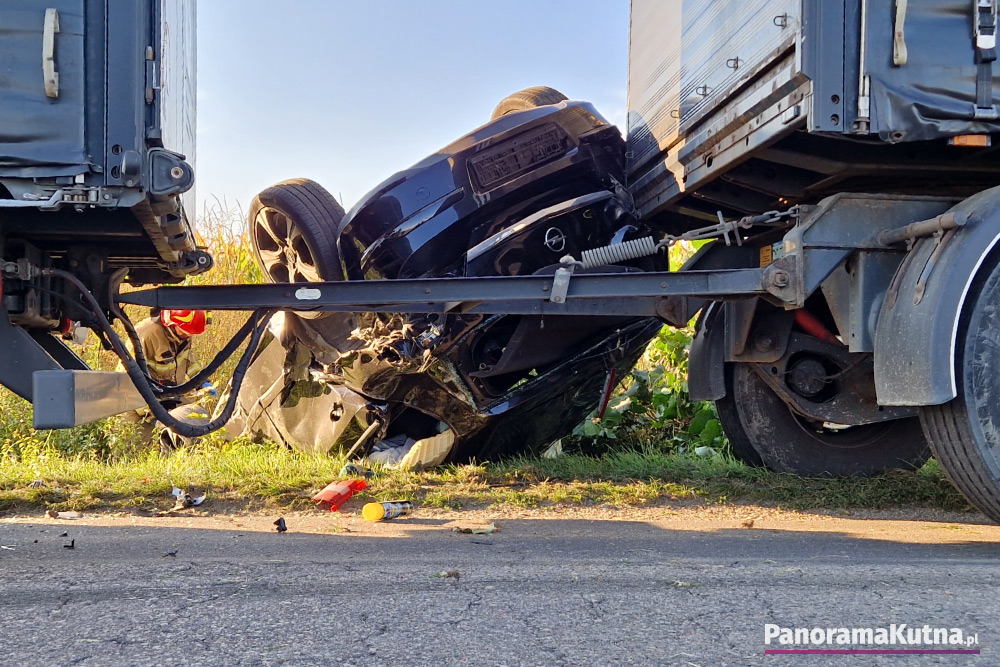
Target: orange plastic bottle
x,y
338,493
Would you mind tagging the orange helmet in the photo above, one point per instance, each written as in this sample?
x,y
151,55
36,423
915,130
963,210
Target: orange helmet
x,y
190,322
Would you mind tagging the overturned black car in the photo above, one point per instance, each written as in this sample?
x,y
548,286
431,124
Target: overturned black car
x,y
542,180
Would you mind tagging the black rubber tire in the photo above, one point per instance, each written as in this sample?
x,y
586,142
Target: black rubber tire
x,y
302,216
729,417
962,431
786,443
529,98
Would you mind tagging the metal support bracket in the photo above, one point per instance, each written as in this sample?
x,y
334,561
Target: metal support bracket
x,y
560,284
64,399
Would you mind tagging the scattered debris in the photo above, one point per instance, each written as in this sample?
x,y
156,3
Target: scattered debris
x,y
280,525
186,500
71,545
447,574
171,554
386,510
52,514
7,548
553,451
748,523
356,470
64,534
402,451
390,452
487,543
339,492
684,584
38,484
485,530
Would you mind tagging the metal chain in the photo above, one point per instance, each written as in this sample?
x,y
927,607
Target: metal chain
x,y
727,227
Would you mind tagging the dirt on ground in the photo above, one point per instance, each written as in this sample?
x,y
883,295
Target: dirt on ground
x,y
914,526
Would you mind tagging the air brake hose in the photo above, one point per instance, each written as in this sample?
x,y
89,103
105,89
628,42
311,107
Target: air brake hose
x,y
113,285
169,391
181,427
206,373
257,323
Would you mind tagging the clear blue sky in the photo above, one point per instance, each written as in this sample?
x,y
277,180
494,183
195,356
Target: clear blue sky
x,y
346,93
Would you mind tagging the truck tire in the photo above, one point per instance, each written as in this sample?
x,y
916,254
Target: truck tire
x,y
293,227
963,433
529,98
729,417
755,419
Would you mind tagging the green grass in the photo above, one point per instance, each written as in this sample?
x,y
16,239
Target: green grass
x,y
246,476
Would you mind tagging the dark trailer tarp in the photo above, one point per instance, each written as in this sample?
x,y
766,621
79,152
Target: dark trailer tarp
x,y
42,122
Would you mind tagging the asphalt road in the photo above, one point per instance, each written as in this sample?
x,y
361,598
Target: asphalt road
x,y
649,587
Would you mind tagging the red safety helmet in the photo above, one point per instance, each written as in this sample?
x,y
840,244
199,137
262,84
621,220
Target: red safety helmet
x,y
190,322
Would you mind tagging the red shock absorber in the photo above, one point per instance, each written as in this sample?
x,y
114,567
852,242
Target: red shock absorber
x,y
814,327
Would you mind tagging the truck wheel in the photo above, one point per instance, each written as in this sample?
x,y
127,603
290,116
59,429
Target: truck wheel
x,y
293,226
529,98
729,417
964,433
755,419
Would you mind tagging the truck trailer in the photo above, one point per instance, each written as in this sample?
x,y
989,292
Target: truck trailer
x,y
836,155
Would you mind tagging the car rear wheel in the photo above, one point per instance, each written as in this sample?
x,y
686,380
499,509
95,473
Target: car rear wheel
x,y
293,227
757,421
529,98
964,434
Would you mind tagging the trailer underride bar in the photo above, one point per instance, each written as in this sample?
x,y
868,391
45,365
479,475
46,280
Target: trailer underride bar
x,y
620,294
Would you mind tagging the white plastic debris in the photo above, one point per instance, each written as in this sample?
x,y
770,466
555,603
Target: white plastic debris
x,y
402,451
185,499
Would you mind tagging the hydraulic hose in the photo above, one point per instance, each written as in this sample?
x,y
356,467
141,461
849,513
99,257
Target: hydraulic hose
x,y
255,326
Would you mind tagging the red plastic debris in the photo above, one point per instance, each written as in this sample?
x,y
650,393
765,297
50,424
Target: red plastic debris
x,y
338,493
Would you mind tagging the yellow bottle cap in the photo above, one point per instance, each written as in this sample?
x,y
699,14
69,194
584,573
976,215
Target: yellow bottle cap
x,y
373,512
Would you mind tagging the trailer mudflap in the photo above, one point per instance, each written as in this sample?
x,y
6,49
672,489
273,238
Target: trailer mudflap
x,y
918,326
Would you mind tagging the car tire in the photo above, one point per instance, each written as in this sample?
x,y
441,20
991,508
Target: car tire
x,y
755,418
293,228
529,98
963,433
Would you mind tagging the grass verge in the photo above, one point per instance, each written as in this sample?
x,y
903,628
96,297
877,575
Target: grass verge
x,y
245,475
